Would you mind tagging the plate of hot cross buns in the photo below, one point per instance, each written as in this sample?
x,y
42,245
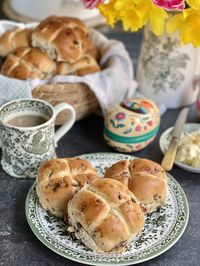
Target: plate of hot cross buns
x,y
106,208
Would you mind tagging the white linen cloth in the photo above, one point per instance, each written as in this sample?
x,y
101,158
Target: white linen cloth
x,y
111,85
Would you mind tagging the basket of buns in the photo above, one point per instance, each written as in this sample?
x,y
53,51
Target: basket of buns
x,y
57,46
62,60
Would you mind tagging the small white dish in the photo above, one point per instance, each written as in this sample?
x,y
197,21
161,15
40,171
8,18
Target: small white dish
x,y
165,139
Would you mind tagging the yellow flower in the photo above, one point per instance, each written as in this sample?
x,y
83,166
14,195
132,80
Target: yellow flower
x,y
194,4
191,33
125,10
157,18
122,4
134,14
109,11
188,24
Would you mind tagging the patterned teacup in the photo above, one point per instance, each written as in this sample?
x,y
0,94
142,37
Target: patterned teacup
x,y
27,134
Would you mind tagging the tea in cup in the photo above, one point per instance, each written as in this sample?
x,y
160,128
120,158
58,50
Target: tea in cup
x,y
27,134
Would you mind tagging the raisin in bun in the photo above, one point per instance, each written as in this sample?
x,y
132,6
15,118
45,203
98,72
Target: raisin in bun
x,y
145,178
63,38
59,179
105,216
13,39
28,63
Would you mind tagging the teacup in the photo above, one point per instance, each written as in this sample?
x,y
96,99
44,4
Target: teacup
x,y
27,134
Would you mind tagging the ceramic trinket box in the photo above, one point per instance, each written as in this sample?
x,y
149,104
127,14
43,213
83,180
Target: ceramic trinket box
x,y
132,124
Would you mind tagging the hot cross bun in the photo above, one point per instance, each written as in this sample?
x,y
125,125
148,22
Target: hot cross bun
x,y
13,39
59,180
145,178
28,63
63,38
105,216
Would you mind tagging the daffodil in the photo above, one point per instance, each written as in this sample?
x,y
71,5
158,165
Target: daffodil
x,y
134,14
110,12
125,10
194,4
157,18
188,24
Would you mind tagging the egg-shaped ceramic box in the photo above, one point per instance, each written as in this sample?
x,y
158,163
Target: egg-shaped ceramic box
x,y
132,124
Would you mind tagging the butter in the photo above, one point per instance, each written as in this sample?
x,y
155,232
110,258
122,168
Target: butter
x,y
189,149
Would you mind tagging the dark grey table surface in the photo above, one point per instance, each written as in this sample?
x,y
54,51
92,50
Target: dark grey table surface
x,y
20,247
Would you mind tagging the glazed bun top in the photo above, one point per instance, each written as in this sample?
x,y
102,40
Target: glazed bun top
x,y
106,216
14,39
63,38
59,180
145,178
28,63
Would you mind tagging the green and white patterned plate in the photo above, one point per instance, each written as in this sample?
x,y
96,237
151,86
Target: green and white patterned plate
x,y
162,229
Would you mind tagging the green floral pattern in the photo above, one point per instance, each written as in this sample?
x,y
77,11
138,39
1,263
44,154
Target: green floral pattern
x,y
162,228
163,63
24,149
23,152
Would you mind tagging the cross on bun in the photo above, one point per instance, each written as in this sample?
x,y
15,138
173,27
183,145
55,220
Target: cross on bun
x,y
13,39
59,179
63,38
145,178
105,216
86,65
28,63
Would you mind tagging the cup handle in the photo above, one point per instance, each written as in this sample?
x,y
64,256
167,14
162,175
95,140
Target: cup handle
x,y
70,121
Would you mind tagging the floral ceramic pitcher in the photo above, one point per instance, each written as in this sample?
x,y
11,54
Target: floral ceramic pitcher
x,y
166,70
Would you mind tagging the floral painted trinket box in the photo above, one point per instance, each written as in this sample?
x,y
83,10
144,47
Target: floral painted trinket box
x,y
132,124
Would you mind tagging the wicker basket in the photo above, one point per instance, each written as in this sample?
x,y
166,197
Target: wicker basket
x,y
77,94
75,90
